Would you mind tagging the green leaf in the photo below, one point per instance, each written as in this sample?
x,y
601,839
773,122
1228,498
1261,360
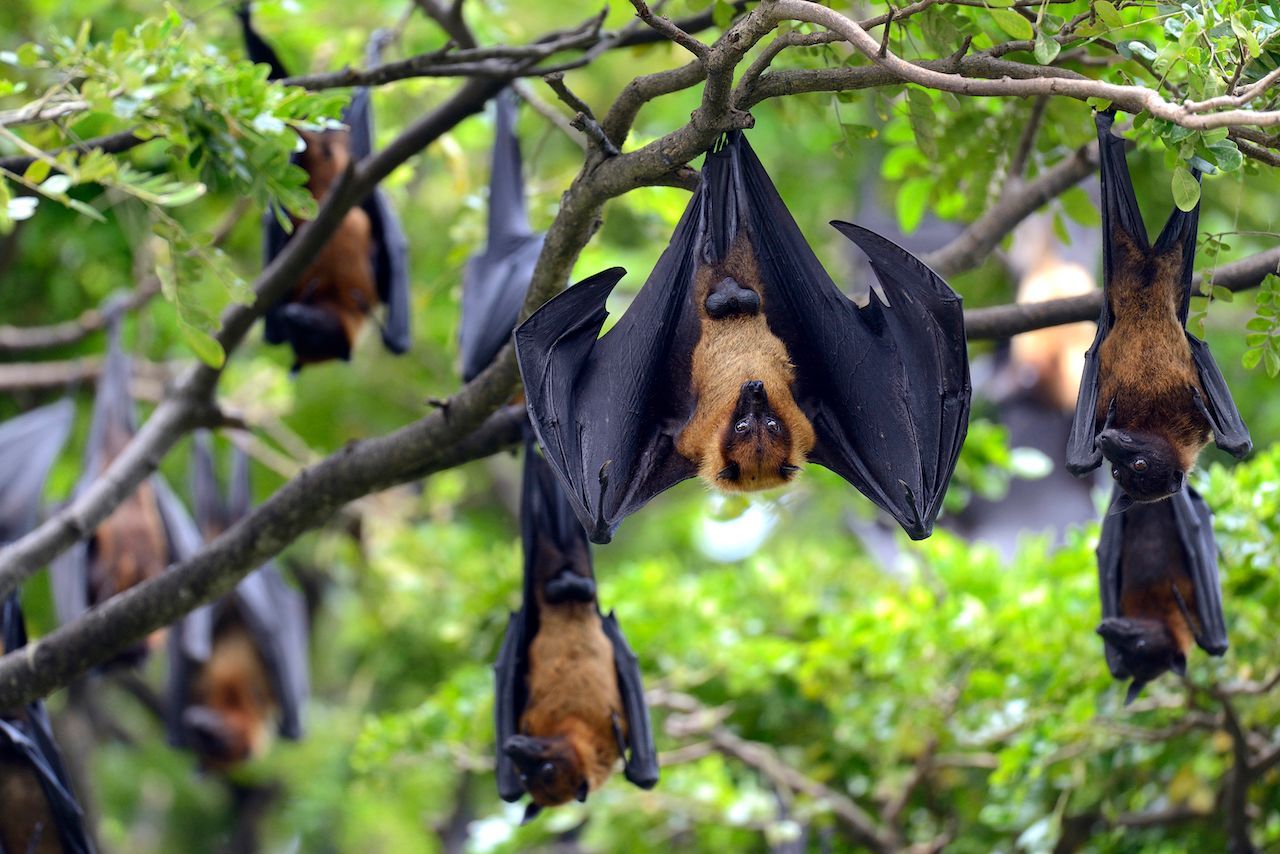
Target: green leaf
x,y
1046,49
204,345
1109,15
1272,359
37,171
921,113
1080,207
1222,294
722,14
913,197
1012,23
1186,189
1251,358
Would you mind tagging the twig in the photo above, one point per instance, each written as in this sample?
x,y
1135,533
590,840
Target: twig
x,y
549,112
668,29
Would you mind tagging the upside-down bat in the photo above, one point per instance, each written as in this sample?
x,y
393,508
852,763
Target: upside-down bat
x,y
495,281
39,813
363,263
238,666
38,809
739,360
1158,574
1151,395
569,695
145,533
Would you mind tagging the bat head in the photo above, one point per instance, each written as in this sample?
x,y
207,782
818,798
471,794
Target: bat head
x,y
233,708
327,155
316,334
550,768
757,448
1147,648
1146,466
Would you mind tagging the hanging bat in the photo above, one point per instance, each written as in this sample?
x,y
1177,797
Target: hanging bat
x,y
1151,396
739,360
39,813
365,261
1158,574
496,280
146,532
29,444
238,666
569,696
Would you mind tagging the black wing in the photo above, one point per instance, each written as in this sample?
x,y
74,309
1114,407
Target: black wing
x,y
1195,529
29,444
206,497
256,47
509,698
31,737
276,616
496,280
642,763
1110,551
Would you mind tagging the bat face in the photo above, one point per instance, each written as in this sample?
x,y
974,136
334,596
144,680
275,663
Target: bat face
x,y
757,446
233,708
550,769
1145,465
1146,647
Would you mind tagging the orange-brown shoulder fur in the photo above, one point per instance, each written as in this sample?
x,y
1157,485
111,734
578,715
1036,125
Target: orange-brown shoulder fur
x,y
235,685
1145,362
730,352
130,546
573,693
340,278
26,824
1054,356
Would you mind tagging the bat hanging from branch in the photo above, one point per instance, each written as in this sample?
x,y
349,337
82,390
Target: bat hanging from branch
x,y
238,666
148,531
38,808
569,694
366,259
1158,575
1151,396
739,360
496,279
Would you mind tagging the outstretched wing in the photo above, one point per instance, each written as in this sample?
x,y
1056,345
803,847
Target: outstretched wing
x,y
1195,530
606,411
642,759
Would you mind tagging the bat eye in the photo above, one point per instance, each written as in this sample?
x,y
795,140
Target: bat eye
x,y
547,772
741,426
772,424
1139,465
1140,645
1115,473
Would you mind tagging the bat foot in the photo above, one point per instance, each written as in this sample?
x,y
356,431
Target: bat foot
x,y
569,586
730,299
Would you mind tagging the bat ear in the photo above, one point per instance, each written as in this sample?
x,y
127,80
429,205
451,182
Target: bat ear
x,y
581,794
1122,503
1135,688
1179,665
530,813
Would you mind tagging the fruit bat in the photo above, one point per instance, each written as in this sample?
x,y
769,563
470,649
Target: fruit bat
x,y
147,531
39,813
366,259
569,697
238,666
739,360
29,444
1151,395
496,280
1158,574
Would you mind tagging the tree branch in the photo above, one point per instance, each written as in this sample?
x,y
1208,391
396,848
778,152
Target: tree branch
x,y
16,338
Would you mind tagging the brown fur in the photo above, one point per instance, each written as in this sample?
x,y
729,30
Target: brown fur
x,y
1145,362
573,696
340,279
26,824
730,352
130,546
235,685
1055,355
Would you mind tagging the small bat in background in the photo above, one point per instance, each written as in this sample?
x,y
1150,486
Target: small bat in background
x,y
39,813
146,532
739,360
237,667
496,280
1158,574
1151,396
29,444
569,695
366,259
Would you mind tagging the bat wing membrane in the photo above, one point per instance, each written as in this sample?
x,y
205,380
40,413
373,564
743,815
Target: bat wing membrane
x,y
1109,553
642,764
1195,530
29,444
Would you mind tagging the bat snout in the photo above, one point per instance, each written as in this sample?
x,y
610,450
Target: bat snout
x,y
1112,441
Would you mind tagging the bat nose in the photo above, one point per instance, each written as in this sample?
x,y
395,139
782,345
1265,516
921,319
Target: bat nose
x,y
753,389
1109,441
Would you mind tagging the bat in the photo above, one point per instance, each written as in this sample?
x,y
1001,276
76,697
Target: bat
x,y
365,261
148,530
1158,575
238,666
739,360
495,281
29,444
569,695
39,813
1151,396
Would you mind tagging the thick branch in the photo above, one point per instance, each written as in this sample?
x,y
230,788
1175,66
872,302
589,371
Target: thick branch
x,y
13,338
